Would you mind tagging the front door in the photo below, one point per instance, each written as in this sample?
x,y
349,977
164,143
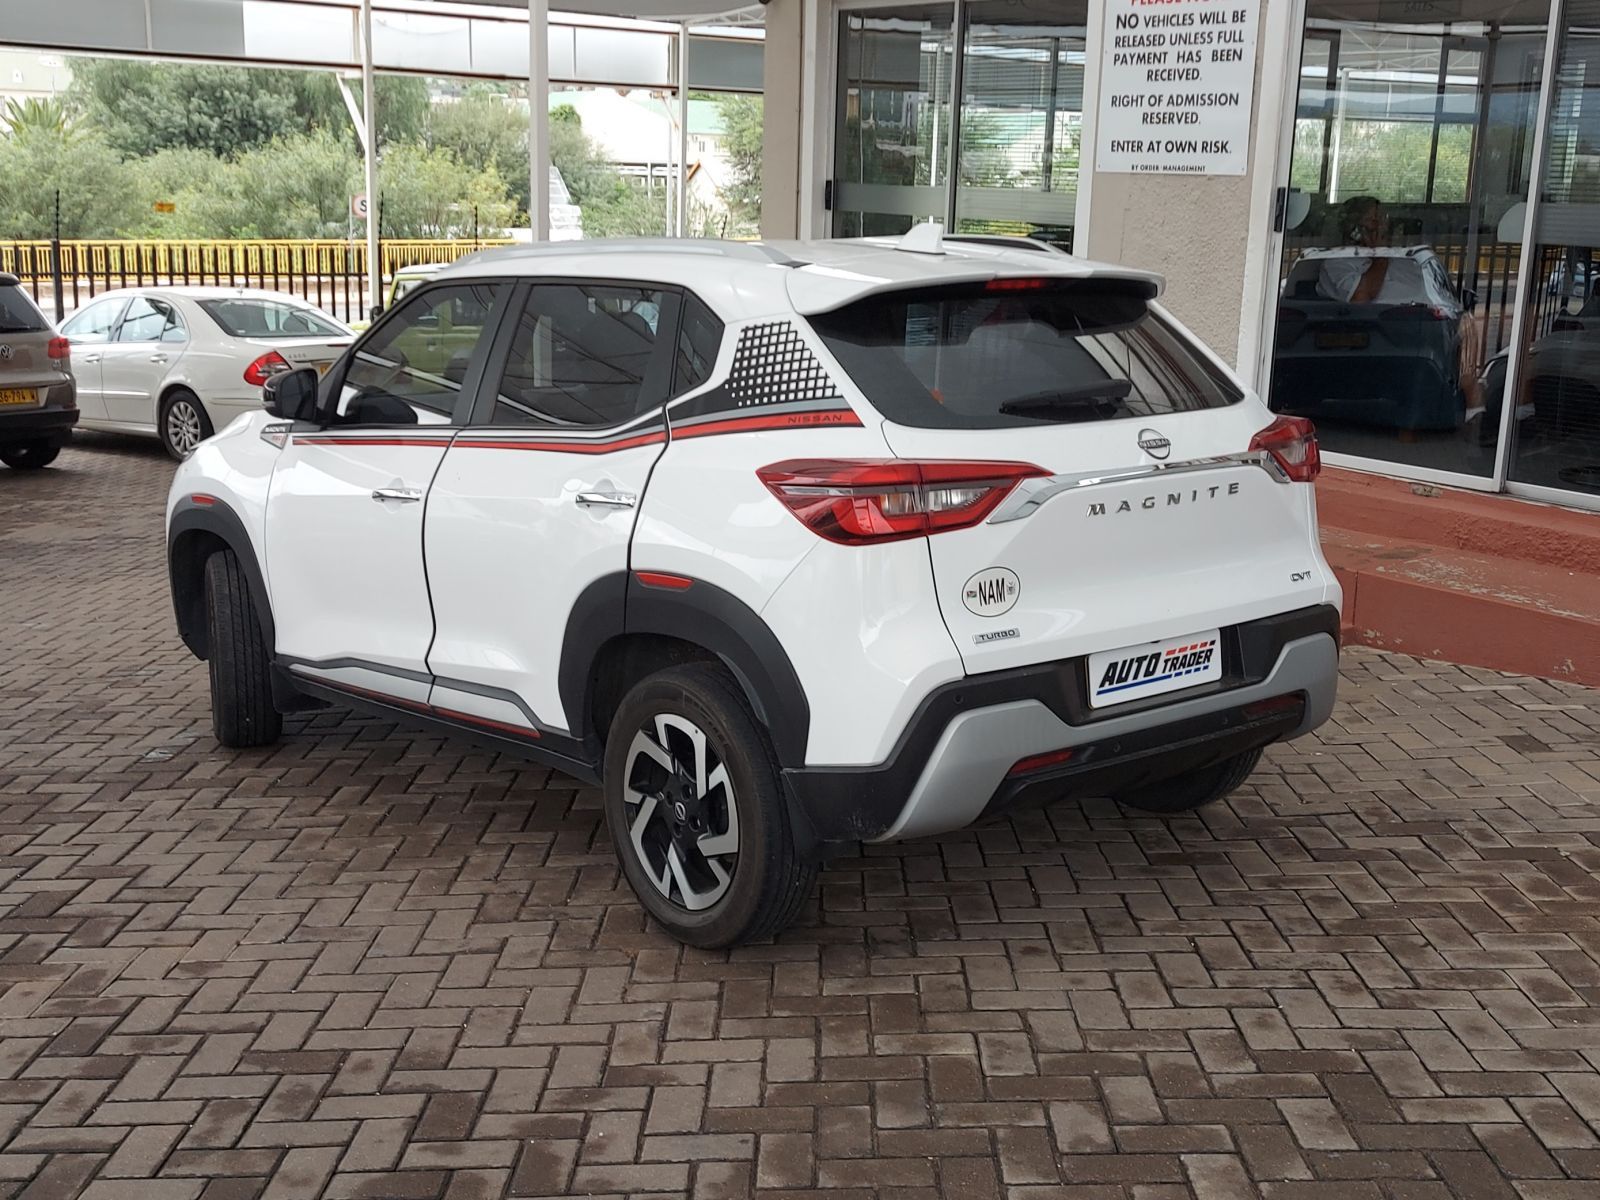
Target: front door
x,y
138,359
348,502
535,502
89,330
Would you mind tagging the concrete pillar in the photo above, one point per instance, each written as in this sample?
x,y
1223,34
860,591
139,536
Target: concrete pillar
x,y
782,64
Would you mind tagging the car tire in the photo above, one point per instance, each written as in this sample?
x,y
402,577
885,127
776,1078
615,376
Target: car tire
x,y
182,423
1196,789
29,456
242,712
707,848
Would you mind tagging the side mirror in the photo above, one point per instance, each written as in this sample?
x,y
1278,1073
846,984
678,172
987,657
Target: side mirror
x,y
291,395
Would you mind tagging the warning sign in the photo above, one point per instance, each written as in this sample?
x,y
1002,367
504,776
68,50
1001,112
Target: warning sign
x,y
1176,80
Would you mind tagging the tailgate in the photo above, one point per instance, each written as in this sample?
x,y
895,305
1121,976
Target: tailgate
x,y
1113,550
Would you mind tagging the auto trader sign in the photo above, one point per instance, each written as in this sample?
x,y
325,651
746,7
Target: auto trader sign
x,y
1176,79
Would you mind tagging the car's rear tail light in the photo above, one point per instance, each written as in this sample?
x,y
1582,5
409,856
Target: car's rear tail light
x,y
857,501
1292,442
1040,762
59,348
264,368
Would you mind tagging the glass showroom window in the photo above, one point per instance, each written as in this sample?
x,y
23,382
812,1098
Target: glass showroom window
x,y
1413,143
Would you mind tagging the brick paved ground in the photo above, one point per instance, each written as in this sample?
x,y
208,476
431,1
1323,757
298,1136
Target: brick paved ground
x,y
375,963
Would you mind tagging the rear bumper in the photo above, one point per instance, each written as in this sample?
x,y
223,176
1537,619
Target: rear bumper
x,y
952,764
50,425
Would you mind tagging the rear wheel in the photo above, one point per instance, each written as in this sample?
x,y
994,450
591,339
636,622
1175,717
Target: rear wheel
x,y
696,811
183,423
1185,793
28,456
242,712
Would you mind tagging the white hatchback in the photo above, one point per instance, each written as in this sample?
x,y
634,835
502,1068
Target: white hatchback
x,y
180,363
787,546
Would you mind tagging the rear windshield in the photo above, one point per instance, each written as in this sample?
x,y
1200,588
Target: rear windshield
x,y
1017,353
268,319
17,312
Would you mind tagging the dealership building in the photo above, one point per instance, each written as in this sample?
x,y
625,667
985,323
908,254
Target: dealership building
x,y
1384,213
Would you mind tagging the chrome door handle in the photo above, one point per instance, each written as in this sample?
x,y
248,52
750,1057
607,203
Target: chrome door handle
x,y
90,358
158,358
605,499
403,494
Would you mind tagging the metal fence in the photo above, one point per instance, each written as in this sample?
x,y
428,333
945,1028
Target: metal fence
x,y
62,276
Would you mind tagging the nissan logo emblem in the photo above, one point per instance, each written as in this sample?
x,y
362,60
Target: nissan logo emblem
x,y
1153,444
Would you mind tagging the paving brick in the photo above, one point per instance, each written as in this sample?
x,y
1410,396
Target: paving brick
x,y
373,962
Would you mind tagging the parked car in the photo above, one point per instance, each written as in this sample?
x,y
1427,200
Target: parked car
x,y
38,400
787,546
1393,361
1561,392
180,363
1576,279
404,281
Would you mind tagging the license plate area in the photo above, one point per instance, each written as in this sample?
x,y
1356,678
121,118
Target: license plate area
x,y
18,396
1344,339
1154,668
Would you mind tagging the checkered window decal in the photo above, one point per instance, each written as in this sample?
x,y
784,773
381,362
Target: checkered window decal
x,y
772,365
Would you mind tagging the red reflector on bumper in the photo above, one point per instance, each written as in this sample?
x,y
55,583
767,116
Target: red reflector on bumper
x,y
1274,706
1038,762
660,579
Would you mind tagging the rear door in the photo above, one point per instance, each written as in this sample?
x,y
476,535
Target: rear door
x,y
147,345
535,503
89,330
346,503
1139,527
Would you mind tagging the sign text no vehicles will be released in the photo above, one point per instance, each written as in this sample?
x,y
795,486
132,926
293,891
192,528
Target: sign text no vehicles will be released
x,y
1176,84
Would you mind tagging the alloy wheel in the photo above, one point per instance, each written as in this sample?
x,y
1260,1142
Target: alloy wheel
x,y
682,817
183,426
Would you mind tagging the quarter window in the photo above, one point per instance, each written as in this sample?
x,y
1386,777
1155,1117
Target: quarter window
x,y
412,369
699,340
583,356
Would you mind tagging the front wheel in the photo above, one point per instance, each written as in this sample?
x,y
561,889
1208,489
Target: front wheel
x,y
183,423
29,456
1185,793
695,809
242,712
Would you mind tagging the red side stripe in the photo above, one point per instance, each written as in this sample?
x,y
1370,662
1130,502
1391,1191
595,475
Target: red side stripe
x,y
302,440
574,447
430,709
828,418
452,714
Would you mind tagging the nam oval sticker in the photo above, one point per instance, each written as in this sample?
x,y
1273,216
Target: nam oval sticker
x,y
991,593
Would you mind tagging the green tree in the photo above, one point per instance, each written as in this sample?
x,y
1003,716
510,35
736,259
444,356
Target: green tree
x,y
483,130
429,193
35,115
37,164
743,136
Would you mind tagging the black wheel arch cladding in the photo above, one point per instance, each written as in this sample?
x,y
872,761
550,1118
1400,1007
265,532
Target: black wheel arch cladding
x,y
192,536
704,615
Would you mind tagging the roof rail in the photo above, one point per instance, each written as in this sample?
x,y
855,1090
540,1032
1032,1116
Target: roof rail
x,y
1006,241
708,247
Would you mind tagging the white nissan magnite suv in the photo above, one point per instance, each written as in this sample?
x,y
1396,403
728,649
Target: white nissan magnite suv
x,y
788,546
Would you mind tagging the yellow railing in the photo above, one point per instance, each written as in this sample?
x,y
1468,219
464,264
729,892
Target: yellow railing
x,y
135,259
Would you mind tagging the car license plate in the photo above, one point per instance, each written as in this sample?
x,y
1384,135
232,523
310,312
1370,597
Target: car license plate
x,y
1134,672
18,396
1345,340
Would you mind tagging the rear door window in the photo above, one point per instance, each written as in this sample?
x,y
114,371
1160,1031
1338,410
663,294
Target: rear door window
x,y
95,323
1018,353
18,313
